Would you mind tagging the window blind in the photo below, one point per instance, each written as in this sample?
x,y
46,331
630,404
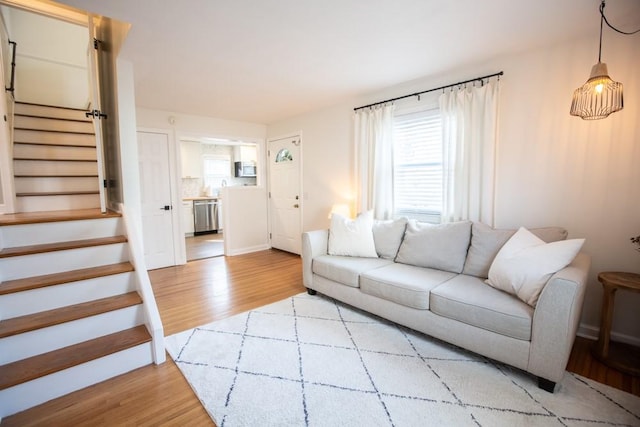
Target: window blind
x,y
417,171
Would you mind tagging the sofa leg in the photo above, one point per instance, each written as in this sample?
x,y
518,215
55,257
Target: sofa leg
x,y
546,385
311,291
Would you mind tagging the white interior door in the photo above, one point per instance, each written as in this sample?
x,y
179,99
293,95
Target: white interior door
x,y
285,201
155,194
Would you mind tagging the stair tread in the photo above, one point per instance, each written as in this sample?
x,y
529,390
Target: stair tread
x,y
43,144
36,159
19,285
60,246
55,216
43,319
53,131
50,106
57,193
44,364
38,116
54,176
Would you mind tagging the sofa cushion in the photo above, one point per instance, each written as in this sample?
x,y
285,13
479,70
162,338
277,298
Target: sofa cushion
x,y
486,243
388,235
469,300
525,263
345,270
352,237
404,284
442,246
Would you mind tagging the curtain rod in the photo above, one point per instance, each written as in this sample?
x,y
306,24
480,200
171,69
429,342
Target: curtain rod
x,y
430,90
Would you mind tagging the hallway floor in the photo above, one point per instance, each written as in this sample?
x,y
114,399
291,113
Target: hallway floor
x,y
204,246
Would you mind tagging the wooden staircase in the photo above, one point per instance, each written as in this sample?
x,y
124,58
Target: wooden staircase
x,y
71,311
54,159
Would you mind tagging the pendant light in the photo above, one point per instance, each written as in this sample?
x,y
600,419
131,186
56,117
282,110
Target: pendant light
x,y
600,95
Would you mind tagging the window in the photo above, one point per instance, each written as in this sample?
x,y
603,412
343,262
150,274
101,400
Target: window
x,y
417,169
215,170
284,155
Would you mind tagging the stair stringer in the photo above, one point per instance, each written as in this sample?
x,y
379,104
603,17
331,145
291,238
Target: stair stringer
x,y
136,257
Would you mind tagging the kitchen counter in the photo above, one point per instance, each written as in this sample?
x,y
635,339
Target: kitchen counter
x,y
189,199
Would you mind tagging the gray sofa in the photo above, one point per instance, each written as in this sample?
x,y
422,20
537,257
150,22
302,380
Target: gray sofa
x,y
453,303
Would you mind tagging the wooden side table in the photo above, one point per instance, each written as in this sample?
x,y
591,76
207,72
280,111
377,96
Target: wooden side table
x,y
621,356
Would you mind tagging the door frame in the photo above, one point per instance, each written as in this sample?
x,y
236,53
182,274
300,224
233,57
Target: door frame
x,y
298,135
179,248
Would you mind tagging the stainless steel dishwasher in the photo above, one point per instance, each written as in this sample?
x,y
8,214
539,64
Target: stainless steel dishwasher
x,y
205,216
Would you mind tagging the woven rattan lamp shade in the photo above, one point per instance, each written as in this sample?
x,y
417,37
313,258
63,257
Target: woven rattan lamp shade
x,y
598,97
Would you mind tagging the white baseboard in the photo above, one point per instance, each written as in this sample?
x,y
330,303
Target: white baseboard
x,y
241,251
592,332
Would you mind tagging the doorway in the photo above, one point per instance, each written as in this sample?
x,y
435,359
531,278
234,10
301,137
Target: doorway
x,y
209,164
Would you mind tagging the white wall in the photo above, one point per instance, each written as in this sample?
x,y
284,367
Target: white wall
x,y
327,160
553,169
128,140
51,60
185,125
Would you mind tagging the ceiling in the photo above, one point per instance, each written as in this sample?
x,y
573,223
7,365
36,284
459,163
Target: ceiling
x,y
265,60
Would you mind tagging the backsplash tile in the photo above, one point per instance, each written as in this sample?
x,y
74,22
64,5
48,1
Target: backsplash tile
x,y
190,187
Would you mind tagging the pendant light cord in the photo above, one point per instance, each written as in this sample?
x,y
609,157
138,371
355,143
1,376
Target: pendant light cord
x,y
601,21
611,26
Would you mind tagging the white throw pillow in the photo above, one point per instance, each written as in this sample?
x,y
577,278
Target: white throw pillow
x,y
525,263
352,237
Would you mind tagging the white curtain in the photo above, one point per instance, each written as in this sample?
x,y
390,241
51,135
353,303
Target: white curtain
x,y
374,160
470,127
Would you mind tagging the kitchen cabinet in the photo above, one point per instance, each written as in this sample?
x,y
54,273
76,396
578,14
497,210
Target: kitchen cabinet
x,y
245,153
191,159
187,217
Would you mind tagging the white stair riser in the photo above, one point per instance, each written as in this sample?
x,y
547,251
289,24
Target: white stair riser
x,y
56,262
51,297
25,122
27,151
45,111
32,393
58,138
51,232
56,184
57,168
57,203
28,344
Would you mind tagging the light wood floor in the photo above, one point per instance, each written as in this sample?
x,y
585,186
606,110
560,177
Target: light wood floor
x,y
194,294
204,246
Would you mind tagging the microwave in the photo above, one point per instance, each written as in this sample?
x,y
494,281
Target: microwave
x,y
245,169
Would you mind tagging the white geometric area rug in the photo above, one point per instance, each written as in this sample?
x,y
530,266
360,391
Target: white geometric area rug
x,y
311,361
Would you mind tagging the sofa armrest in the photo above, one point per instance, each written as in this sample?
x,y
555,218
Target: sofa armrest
x,y
314,243
556,319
